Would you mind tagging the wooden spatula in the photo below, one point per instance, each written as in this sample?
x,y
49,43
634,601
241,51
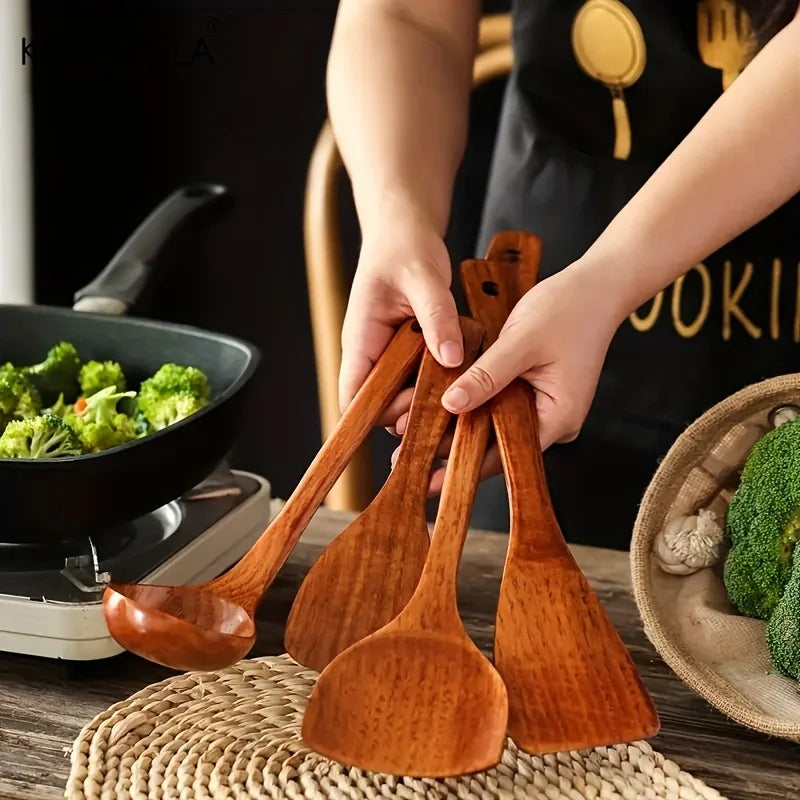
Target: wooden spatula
x,y
571,682
417,697
368,573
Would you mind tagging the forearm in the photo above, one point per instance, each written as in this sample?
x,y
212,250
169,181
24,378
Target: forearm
x,y
739,164
399,78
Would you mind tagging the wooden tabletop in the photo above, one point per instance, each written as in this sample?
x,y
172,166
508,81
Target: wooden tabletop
x,y
44,704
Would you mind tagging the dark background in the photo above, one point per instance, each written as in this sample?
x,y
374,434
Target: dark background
x,y
132,100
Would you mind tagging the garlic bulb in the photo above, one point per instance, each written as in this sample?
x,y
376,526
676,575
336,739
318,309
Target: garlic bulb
x,y
784,414
689,543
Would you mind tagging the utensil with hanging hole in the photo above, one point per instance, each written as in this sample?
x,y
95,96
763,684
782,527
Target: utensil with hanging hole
x,y
571,681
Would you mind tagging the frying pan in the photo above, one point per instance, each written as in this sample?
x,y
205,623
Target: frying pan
x,y
48,500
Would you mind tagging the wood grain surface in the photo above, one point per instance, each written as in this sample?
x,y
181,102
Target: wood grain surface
x,y
369,572
44,703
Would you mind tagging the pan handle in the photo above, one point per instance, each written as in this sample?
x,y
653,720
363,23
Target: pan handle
x,y
118,286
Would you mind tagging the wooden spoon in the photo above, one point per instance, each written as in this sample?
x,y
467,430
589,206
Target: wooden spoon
x,y
210,625
417,697
571,681
368,573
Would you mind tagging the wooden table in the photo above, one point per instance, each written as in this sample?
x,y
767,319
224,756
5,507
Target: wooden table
x,y
43,704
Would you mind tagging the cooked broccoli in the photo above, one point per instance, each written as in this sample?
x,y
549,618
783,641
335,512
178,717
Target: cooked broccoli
x,y
172,394
18,396
97,375
165,411
99,424
58,373
763,523
783,630
44,436
59,408
176,379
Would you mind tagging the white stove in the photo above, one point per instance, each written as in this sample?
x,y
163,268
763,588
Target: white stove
x,y
51,597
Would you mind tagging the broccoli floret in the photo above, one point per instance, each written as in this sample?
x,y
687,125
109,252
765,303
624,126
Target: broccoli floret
x,y
172,394
176,379
97,375
763,523
19,398
783,630
99,424
58,373
59,408
44,436
162,412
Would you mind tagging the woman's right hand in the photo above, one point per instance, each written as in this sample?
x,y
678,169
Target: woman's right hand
x,y
403,271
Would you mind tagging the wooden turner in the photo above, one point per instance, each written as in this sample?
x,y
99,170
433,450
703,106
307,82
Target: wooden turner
x,y
417,697
571,681
368,573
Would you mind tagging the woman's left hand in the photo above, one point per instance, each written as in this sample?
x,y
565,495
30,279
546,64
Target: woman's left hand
x,y
556,338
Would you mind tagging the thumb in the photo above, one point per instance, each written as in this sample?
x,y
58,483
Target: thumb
x,y
490,374
435,309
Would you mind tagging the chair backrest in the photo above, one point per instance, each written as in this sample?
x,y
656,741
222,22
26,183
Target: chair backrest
x,y
326,275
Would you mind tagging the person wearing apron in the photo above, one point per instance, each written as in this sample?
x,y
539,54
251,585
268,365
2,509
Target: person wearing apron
x,y
601,94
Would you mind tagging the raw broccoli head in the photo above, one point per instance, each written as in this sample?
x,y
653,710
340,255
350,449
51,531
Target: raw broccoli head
x,y
58,373
44,436
783,630
19,398
763,523
100,425
97,375
172,394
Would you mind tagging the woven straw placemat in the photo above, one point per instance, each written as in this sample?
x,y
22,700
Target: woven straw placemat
x,y
236,734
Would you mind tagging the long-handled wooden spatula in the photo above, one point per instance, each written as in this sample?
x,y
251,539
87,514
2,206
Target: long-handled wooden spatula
x,y
368,573
417,697
571,681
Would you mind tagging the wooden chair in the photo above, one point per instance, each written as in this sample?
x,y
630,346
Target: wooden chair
x,y
326,275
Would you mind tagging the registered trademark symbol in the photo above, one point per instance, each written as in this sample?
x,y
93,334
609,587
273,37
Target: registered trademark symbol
x,y
213,25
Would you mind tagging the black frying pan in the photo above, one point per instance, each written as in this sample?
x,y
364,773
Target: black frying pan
x,y
44,500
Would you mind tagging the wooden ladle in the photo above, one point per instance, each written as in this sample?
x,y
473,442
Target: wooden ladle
x,y
210,626
571,681
368,573
417,697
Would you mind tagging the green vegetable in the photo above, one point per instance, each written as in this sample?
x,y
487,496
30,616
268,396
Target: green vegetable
x,y
169,410
19,398
763,523
59,408
176,379
172,394
57,374
783,630
100,425
44,436
97,375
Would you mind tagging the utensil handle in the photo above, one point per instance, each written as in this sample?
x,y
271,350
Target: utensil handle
x,y
427,417
434,604
514,414
268,554
119,285
516,426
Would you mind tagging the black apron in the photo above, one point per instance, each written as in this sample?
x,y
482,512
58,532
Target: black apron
x,y
733,320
